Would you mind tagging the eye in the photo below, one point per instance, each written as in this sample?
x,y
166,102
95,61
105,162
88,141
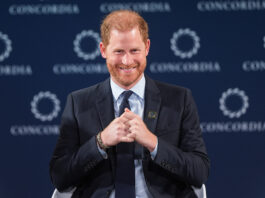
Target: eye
x,y
135,51
118,51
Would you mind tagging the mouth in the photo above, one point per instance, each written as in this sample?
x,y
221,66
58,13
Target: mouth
x,y
126,69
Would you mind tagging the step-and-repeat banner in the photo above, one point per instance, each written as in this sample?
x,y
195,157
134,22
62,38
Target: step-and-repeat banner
x,y
49,48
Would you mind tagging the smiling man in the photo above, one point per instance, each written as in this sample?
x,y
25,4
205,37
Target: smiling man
x,y
129,136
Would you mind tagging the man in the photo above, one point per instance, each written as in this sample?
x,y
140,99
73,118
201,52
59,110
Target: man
x,y
129,136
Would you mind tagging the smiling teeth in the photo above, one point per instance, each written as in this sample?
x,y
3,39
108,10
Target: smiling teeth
x,y
127,68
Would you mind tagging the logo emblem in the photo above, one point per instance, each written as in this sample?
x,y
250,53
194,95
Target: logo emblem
x,y
7,49
152,114
223,103
77,45
175,47
35,102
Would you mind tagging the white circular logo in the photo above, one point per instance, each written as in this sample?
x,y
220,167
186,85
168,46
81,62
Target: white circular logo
x,y
185,32
77,48
236,92
45,95
8,47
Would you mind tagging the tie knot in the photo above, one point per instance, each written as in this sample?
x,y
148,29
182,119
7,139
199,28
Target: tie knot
x,y
127,94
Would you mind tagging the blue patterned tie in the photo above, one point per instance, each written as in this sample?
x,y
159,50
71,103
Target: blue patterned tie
x,y
125,170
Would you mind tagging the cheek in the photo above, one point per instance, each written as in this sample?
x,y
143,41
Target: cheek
x,y
142,58
114,60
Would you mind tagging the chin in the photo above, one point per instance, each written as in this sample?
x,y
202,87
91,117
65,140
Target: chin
x,y
127,83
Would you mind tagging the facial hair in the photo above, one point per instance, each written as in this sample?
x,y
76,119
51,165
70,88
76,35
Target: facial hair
x,y
124,80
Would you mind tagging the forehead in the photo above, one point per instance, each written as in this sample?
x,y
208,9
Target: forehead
x,y
128,36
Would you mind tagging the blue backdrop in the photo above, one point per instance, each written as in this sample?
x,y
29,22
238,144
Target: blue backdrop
x,y
49,48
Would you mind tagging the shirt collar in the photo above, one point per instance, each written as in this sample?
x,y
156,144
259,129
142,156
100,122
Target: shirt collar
x,y
138,88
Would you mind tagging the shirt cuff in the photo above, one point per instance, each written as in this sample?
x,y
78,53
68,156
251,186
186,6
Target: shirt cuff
x,y
154,152
102,152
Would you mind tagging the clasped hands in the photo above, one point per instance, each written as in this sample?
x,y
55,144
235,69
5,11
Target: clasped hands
x,y
129,127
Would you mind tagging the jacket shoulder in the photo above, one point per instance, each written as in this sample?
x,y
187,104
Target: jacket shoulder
x,y
87,97
85,91
165,88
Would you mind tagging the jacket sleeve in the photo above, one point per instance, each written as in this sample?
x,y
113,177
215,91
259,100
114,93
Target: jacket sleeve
x,y
72,162
188,161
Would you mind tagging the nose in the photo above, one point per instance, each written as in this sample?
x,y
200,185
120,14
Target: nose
x,y
127,59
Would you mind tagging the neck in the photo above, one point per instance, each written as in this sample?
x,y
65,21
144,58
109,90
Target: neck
x,y
127,87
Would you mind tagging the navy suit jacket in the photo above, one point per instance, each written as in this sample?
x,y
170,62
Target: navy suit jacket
x,y
170,113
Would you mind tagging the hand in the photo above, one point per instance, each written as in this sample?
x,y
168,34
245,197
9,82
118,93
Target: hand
x,y
138,131
116,132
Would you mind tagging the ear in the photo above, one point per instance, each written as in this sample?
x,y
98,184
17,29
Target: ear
x,y
147,46
102,49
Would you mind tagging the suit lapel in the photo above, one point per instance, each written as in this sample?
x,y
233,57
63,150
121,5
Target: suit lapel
x,y
152,104
151,112
105,104
105,109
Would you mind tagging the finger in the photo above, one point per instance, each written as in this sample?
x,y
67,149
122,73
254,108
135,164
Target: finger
x,y
129,114
134,122
131,135
127,110
125,132
123,118
123,123
125,127
127,124
126,139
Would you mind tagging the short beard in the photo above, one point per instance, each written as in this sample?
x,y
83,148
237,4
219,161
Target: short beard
x,y
113,68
